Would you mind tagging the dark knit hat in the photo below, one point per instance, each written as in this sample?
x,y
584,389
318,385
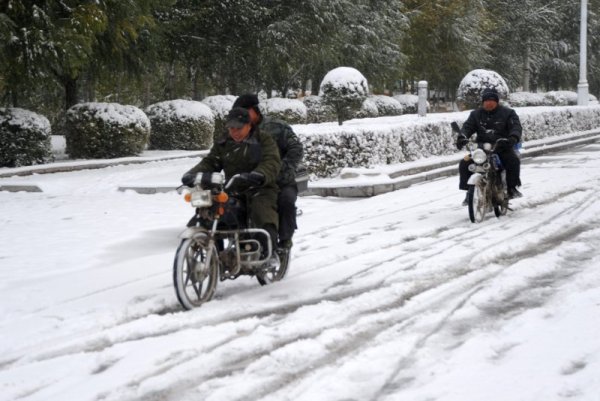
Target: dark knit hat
x,y
237,118
490,94
246,101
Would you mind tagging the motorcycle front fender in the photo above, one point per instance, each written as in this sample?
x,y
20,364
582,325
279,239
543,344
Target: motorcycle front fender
x,y
189,232
474,179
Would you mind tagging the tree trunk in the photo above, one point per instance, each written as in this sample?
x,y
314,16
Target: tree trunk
x,y
526,74
71,98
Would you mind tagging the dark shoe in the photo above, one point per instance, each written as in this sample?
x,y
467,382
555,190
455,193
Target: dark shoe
x,y
285,244
466,201
514,193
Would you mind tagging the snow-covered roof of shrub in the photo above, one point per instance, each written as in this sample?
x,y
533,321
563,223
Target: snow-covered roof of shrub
x,y
480,79
345,77
114,113
26,119
280,105
181,110
220,104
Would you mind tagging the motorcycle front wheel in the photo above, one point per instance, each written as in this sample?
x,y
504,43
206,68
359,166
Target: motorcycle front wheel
x,y
477,203
195,273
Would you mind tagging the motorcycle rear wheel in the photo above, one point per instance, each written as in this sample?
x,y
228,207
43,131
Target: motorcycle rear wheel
x,y
477,203
267,277
193,279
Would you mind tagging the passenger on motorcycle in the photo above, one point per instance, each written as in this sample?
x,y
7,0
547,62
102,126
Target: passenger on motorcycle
x,y
493,123
291,152
244,149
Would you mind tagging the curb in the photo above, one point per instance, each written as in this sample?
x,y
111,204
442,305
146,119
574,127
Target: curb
x,y
402,178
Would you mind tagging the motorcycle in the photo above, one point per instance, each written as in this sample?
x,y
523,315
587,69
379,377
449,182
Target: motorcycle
x,y
487,188
220,242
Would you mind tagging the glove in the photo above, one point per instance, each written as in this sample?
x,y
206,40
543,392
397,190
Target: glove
x,y
254,178
188,179
503,144
513,140
206,180
461,141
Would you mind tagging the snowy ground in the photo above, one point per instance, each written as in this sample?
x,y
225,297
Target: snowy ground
x,y
395,297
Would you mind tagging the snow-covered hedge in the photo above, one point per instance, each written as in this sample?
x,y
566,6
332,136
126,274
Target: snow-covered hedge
x,y
292,111
220,106
180,124
317,111
24,138
469,91
105,130
524,99
388,140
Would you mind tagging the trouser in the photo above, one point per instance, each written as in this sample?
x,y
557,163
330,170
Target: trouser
x,y
286,206
263,212
510,161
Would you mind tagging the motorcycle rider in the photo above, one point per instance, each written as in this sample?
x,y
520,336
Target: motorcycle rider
x,y
291,152
253,154
495,124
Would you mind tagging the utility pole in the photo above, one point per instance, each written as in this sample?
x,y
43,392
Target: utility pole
x,y
582,87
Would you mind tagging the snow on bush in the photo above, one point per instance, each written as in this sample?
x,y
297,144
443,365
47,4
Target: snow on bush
x,y
180,124
24,138
344,89
317,111
105,130
220,105
292,111
388,140
387,105
469,91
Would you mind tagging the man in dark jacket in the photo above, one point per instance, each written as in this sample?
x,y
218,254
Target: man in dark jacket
x,y
291,152
253,154
495,124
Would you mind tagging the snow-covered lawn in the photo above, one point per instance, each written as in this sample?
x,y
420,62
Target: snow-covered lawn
x,y
395,297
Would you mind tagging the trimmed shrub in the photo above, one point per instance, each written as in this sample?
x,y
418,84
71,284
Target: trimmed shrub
x,y
387,105
409,102
292,111
180,124
105,130
317,111
24,138
220,106
468,95
524,99
344,89
561,98
368,109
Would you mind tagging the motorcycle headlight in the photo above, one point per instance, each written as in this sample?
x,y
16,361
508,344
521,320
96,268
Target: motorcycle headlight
x,y
201,198
479,156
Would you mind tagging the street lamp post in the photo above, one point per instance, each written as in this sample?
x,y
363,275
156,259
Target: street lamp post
x,y
582,87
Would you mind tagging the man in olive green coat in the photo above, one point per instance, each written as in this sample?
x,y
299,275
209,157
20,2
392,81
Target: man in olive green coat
x,y
253,155
291,152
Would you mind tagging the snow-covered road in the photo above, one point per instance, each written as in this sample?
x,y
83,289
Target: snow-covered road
x,y
395,297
